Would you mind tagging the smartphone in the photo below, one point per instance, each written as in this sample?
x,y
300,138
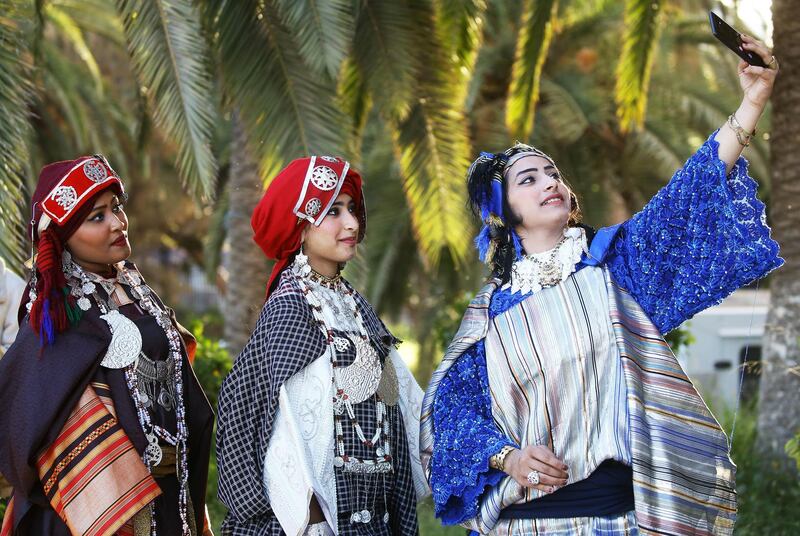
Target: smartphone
x,y
732,39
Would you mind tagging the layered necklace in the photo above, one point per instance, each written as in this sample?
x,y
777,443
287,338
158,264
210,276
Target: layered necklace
x,y
143,376
357,382
536,271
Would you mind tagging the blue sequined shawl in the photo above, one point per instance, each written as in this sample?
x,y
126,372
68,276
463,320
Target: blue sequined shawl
x,y
700,238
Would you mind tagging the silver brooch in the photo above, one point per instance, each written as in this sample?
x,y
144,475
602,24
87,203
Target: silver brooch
x,y
324,178
313,206
65,196
95,171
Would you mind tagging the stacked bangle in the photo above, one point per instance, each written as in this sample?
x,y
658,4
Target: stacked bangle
x,y
498,461
742,136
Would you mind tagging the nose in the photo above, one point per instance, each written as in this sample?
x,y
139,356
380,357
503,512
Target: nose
x,y
551,185
117,222
351,221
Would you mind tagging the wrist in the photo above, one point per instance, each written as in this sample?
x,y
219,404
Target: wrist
x,y
500,460
748,114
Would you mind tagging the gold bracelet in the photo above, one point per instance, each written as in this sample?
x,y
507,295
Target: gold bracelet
x,y
498,461
742,136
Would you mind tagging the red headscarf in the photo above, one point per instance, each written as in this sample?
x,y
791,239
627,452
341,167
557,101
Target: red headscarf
x,y
301,194
63,198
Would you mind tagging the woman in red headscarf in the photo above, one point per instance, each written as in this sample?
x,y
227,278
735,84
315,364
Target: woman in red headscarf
x,y
319,418
104,428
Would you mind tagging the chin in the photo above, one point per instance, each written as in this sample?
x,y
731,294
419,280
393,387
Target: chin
x,y
121,257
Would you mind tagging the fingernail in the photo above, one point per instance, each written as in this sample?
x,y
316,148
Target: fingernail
x,y
551,489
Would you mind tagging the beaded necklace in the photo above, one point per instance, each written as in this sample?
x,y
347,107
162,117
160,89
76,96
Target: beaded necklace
x,y
123,345
352,383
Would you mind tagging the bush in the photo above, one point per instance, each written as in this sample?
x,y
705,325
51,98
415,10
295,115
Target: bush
x,y
211,362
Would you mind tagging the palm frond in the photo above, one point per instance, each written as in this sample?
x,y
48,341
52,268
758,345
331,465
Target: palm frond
x,y
98,17
533,42
384,48
171,59
633,71
15,97
564,116
433,147
355,99
323,31
72,32
461,22
287,110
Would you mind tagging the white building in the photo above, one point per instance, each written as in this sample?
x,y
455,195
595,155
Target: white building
x,y
726,338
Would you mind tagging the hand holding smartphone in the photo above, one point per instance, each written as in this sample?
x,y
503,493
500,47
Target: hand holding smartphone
x,y
733,40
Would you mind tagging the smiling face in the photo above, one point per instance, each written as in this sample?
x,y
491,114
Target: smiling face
x,y
102,239
537,196
334,241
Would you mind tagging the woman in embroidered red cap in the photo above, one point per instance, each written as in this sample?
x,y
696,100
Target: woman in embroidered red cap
x,y
105,430
319,418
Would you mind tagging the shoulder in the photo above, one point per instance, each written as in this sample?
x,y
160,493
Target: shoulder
x,y
286,299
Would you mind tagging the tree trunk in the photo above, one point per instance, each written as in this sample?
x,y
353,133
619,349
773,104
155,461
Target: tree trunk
x,y
244,262
779,398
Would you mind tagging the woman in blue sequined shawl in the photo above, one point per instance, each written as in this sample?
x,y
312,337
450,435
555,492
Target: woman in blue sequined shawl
x,y
558,407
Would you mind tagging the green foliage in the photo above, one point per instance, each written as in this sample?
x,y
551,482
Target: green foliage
x,y
638,52
211,363
533,42
793,449
171,59
679,337
768,496
16,93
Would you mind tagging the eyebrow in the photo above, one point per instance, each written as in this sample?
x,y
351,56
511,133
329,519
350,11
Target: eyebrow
x,y
98,207
547,167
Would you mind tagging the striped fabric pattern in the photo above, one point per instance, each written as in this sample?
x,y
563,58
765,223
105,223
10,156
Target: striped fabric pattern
x,y
624,525
92,474
684,479
683,475
556,378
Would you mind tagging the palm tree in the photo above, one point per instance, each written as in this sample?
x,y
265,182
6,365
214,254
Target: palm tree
x,y
779,393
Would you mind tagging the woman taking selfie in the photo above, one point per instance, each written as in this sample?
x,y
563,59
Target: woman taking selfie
x,y
558,407
319,418
104,427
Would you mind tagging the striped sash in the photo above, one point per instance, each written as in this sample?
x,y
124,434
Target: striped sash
x,y
92,474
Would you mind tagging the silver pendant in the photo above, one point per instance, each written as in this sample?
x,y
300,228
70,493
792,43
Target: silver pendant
x,y
360,379
126,341
386,518
165,400
355,518
84,303
153,451
338,461
366,517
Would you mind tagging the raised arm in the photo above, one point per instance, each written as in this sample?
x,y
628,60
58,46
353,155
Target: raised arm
x,y
757,84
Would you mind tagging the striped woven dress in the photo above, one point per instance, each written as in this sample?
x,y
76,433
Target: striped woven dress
x,y
583,368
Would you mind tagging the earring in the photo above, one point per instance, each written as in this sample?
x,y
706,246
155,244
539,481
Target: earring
x,y
300,265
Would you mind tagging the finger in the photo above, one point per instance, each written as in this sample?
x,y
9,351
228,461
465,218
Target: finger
x,y
755,70
545,470
762,51
546,488
546,456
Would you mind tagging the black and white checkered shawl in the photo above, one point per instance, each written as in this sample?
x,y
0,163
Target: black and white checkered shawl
x,y
286,340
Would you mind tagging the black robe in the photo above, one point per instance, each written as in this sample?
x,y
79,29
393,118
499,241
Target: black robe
x,y
39,387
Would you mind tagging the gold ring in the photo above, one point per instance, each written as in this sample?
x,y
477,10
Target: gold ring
x,y
773,60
